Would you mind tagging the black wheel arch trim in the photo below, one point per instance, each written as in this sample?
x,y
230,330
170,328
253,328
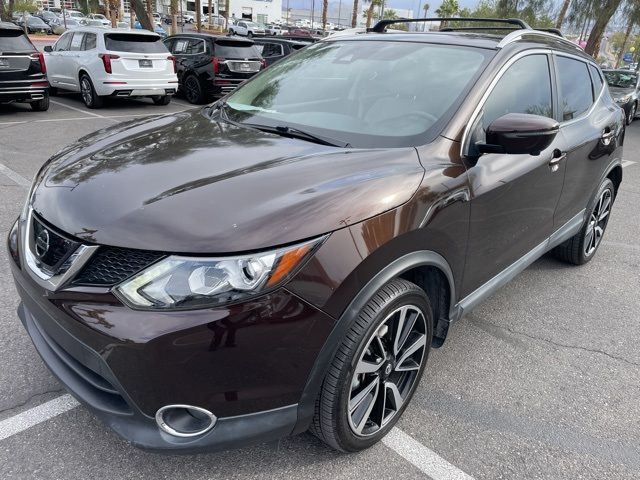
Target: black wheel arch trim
x,y
421,258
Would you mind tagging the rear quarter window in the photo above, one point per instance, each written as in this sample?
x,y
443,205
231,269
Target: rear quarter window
x,y
236,50
126,42
14,41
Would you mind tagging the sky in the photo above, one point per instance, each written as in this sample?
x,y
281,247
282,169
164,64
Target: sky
x,y
404,4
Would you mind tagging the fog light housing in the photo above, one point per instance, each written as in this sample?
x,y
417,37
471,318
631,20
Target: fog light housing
x,y
185,420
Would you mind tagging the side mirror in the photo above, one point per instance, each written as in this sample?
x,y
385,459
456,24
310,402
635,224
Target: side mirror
x,y
519,133
48,48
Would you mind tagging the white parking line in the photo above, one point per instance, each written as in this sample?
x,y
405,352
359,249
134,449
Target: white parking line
x,y
15,176
626,163
422,457
404,445
34,416
86,112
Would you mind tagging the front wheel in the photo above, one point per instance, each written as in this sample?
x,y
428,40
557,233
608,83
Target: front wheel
x,y
581,248
376,368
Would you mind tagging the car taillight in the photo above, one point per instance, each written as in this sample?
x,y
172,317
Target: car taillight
x,y
216,64
106,60
40,57
263,62
173,60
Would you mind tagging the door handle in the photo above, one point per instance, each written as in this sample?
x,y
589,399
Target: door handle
x,y
557,157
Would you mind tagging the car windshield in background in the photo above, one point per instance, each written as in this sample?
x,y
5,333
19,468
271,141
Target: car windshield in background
x,y
14,41
366,94
134,43
622,79
230,49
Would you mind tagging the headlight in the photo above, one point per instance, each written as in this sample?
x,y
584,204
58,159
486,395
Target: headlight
x,y
178,282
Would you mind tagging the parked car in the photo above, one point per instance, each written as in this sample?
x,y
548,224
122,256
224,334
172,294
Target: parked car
x,y
74,14
623,85
274,49
66,24
100,18
90,22
157,28
34,25
22,70
246,28
101,63
272,29
210,65
49,18
286,258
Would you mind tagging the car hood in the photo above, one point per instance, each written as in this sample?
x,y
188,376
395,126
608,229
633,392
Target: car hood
x,y
186,183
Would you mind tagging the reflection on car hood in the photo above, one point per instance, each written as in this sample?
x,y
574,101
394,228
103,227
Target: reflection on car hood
x,y
188,183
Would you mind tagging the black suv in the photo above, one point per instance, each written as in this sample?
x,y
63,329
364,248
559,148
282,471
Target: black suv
x,y
285,258
22,69
211,65
274,49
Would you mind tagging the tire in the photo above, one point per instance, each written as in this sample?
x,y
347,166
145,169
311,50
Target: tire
x,y
193,90
371,333
88,93
53,91
40,105
582,247
632,113
161,99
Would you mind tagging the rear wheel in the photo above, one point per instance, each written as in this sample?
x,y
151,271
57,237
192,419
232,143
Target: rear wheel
x,y
161,99
89,95
193,90
632,113
582,247
40,105
376,368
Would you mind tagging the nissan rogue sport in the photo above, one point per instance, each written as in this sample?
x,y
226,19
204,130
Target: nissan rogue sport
x,y
285,258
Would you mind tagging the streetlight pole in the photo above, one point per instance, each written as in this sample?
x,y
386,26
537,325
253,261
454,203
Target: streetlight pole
x,y
339,13
313,6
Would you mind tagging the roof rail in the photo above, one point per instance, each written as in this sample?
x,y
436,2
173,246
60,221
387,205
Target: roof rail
x,y
383,24
548,33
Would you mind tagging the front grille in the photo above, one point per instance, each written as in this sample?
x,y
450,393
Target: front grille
x,y
112,265
51,249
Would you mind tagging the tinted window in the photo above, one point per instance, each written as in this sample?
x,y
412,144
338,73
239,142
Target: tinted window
x,y
195,47
576,95
63,44
76,42
524,88
230,49
367,94
596,78
126,42
89,41
14,41
270,49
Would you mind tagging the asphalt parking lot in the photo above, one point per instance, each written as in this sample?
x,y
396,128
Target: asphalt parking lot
x,y
540,381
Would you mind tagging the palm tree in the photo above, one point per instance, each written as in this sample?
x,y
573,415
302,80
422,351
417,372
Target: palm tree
x,y
325,7
563,12
354,14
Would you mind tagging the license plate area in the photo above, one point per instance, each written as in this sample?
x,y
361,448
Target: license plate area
x,y
4,63
145,63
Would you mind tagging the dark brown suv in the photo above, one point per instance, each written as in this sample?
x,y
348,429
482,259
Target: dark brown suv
x,y
284,259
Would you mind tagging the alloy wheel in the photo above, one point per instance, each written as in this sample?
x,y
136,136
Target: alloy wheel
x,y
86,91
192,90
387,370
597,222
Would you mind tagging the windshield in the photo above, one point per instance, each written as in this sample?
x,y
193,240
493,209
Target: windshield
x,y
364,93
621,79
231,49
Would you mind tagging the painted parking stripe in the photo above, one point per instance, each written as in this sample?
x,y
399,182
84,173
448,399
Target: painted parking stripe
x,y
27,419
86,112
15,176
626,163
422,457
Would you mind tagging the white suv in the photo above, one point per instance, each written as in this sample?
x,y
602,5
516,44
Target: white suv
x,y
246,29
100,63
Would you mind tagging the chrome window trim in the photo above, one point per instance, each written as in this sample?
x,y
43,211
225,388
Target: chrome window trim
x,y
465,135
595,101
78,260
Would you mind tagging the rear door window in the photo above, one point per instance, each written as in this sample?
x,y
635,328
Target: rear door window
x,y
89,41
230,49
195,46
133,43
271,50
14,41
576,94
76,41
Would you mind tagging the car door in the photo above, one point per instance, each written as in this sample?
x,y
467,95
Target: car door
x,y
72,61
589,127
55,60
513,197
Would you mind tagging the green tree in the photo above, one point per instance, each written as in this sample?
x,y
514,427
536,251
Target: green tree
x,y
632,13
448,8
605,9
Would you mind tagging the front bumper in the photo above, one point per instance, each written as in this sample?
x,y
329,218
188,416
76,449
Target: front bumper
x,y
248,365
